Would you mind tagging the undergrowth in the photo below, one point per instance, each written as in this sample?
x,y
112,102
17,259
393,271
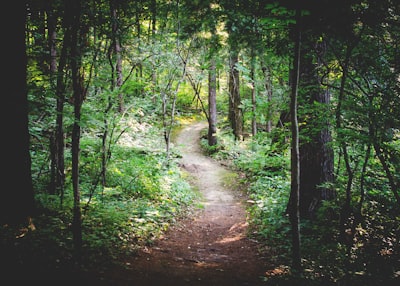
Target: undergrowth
x,y
142,197
370,255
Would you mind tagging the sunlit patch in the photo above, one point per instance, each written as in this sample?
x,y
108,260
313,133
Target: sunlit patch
x,y
235,233
278,271
238,226
231,239
203,264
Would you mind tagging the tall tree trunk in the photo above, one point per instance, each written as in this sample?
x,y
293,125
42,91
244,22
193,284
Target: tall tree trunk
x,y
59,144
17,197
253,94
52,38
116,48
316,155
212,103
116,82
268,88
153,9
346,209
78,95
235,113
294,210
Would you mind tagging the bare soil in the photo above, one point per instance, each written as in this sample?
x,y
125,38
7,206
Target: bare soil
x,y
209,248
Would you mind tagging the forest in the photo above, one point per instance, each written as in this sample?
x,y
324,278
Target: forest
x,y
300,100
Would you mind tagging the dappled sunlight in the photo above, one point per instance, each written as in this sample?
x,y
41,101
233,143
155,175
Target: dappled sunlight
x,y
230,239
236,232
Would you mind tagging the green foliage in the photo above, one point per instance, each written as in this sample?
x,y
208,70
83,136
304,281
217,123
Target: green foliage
x,y
142,196
264,158
186,99
268,198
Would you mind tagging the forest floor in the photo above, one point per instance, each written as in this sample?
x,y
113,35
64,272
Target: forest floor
x,y
209,248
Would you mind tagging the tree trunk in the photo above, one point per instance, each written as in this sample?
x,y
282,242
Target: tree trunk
x,y
17,198
294,212
52,38
268,88
235,113
116,47
59,164
212,103
253,94
78,95
316,155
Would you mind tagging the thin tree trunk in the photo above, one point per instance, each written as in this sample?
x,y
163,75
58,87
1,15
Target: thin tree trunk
x,y
268,88
59,143
212,103
116,47
168,122
346,210
52,37
253,94
78,95
295,153
362,179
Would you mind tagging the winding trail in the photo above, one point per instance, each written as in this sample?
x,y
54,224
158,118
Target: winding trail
x,y
211,248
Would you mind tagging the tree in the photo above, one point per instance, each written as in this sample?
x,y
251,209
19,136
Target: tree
x,y
233,28
214,46
17,202
115,48
294,211
57,77
212,102
73,9
316,153
235,111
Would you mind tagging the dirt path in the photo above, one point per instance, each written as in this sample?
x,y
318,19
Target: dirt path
x,y
209,249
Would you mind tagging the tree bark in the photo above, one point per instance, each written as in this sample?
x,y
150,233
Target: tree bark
x,y
316,155
268,88
59,148
17,200
116,47
78,95
253,94
235,113
294,213
212,103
